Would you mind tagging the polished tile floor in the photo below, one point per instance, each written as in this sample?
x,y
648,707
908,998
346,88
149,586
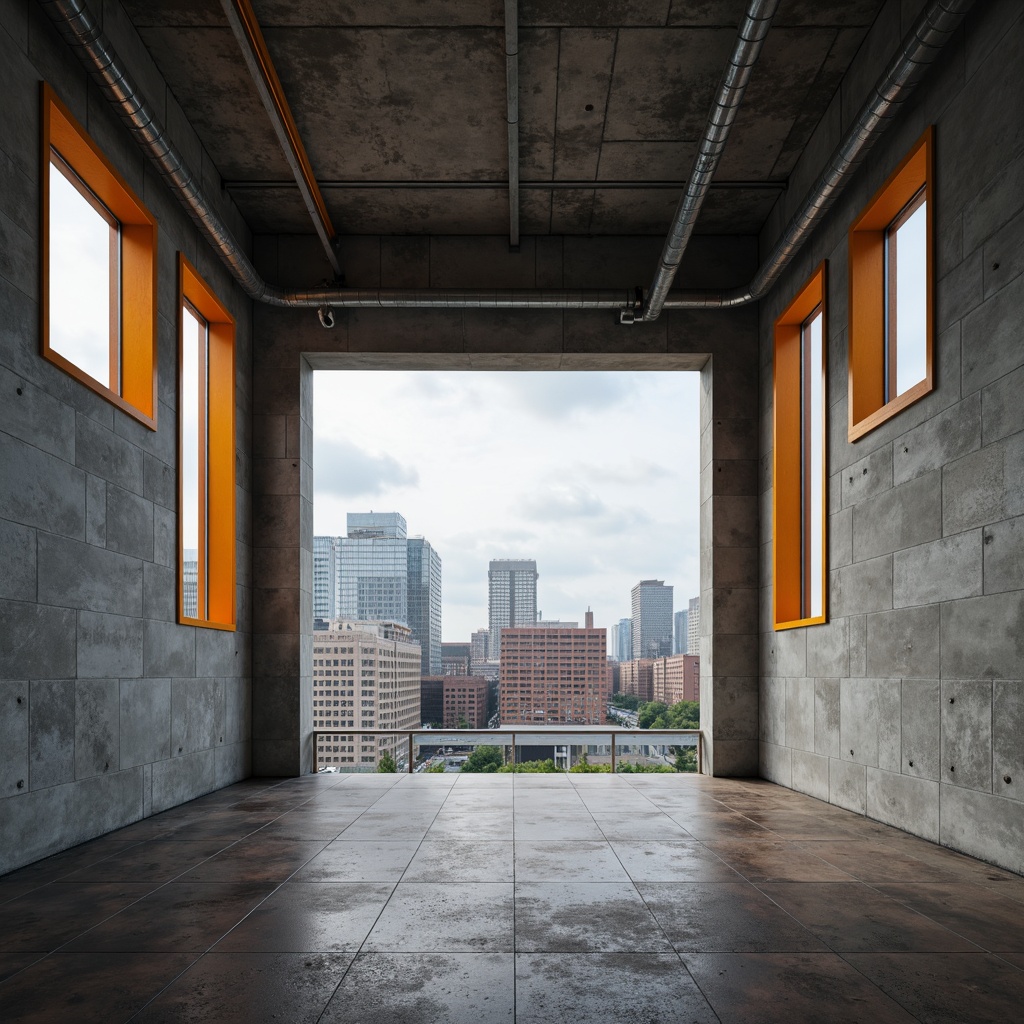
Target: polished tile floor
x,y
473,899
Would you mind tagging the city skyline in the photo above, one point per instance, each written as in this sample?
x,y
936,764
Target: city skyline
x,y
594,475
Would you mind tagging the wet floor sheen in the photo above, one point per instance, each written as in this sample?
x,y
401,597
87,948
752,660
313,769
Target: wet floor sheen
x,y
395,899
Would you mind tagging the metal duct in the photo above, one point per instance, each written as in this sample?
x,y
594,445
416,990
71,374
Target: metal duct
x,y
753,31
247,33
918,50
79,28
512,116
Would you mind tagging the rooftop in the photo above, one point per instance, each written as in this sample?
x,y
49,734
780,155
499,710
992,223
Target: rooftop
x,y
485,898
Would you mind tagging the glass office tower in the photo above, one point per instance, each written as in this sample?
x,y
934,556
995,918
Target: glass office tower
x,y
373,575
424,600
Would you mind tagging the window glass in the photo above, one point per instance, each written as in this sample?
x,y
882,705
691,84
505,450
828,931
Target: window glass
x,y
83,250
906,252
98,269
206,409
193,457
812,455
799,474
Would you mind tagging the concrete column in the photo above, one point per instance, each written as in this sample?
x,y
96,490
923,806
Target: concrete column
x,y
729,652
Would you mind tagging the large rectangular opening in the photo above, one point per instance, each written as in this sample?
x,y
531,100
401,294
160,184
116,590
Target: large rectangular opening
x,y
592,476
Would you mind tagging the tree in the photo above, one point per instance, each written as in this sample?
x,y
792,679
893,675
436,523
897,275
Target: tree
x,y
463,722
387,763
629,701
437,768
648,712
484,759
537,767
686,759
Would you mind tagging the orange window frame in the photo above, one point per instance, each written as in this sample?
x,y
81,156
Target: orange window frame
x,y
790,498
132,286
871,312
216,485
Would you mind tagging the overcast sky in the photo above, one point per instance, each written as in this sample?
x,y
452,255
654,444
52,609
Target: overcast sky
x,y
593,474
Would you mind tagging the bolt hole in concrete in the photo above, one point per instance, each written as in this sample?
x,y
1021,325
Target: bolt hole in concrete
x,y
19,391
1007,779
911,763
590,106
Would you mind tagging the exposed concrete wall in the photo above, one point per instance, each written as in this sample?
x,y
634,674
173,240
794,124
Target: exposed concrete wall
x,y
908,705
288,344
109,710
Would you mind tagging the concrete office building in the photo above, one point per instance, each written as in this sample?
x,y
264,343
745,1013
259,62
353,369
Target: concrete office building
x,y
366,675
455,659
117,706
652,619
553,676
676,678
693,626
511,598
680,637
424,601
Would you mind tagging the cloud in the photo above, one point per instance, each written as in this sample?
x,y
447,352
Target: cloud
x,y
562,503
344,469
558,396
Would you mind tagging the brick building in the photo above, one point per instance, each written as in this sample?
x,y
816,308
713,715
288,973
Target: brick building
x,y
553,676
676,678
637,678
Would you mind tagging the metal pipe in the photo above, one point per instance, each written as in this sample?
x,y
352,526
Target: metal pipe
x,y
512,116
524,183
753,31
246,29
918,50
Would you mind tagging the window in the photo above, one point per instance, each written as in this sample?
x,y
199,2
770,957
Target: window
x,y
206,487
98,269
891,331
798,492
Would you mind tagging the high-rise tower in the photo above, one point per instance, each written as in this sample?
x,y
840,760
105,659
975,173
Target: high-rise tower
x,y
373,577
325,577
512,597
424,567
652,619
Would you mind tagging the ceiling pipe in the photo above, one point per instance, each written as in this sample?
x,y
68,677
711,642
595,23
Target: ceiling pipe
x,y
249,36
512,117
918,50
752,33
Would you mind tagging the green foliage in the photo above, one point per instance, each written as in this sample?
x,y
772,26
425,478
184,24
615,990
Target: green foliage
x,y
648,713
686,759
437,769
539,767
628,701
684,715
463,722
484,759
584,767
628,768
387,764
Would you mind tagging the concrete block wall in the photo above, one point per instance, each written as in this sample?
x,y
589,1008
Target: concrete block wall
x,y
290,344
109,710
908,705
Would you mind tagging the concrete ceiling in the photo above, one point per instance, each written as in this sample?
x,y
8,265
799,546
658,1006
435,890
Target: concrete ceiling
x,y
401,106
